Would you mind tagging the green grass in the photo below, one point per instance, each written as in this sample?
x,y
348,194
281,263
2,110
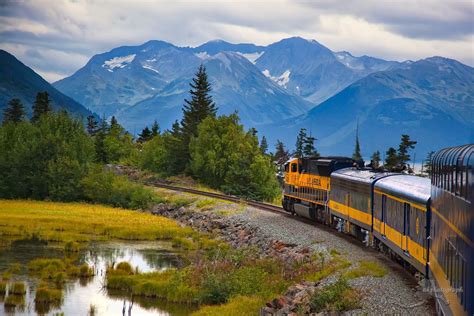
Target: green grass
x,y
205,204
366,268
14,301
72,246
18,288
3,287
85,271
336,297
48,295
236,306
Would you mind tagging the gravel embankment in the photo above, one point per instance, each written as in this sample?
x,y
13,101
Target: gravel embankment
x,y
396,293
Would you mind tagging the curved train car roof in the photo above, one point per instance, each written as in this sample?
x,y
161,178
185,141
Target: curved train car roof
x,y
359,175
413,188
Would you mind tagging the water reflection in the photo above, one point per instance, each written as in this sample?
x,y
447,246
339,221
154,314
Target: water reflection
x,y
81,294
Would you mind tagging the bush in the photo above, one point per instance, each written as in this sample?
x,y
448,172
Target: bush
x,y
215,289
3,287
125,267
107,188
85,271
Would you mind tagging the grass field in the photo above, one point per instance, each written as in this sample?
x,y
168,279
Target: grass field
x,y
66,222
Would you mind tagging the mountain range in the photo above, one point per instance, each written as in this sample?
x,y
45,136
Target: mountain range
x,y
284,86
19,81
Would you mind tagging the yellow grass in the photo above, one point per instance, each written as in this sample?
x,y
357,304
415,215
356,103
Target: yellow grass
x,y
82,222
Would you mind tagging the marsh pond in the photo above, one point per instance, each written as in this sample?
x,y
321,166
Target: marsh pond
x,y
85,294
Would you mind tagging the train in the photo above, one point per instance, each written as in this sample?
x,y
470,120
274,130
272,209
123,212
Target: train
x,y
425,223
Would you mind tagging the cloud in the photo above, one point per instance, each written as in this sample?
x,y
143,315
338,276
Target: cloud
x,y
58,37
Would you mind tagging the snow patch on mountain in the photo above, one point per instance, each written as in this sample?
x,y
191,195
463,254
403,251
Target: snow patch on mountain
x,y
150,68
202,55
252,57
282,80
118,62
348,60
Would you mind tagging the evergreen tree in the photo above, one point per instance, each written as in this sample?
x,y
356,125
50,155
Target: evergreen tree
x,y
155,129
308,147
196,110
113,122
391,160
300,142
281,154
92,125
145,135
103,130
41,106
264,145
405,145
357,156
428,163
375,159
15,112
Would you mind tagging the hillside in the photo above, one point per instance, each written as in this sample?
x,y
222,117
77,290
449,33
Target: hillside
x,y
19,81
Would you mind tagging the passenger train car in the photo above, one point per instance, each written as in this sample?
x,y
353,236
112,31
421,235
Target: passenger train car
x,y
426,224
451,252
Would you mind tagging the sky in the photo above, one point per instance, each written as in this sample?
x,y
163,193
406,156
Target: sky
x,y
57,37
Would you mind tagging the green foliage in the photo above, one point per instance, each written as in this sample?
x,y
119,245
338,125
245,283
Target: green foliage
x,y
375,159
264,145
366,268
145,135
41,106
15,112
281,154
117,143
225,157
428,163
357,156
72,246
299,146
106,187
337,297
215,289
391,159
85,271
125,267
44,160
405,145
3,287
92,125
17,288
47,295
305,145
196,110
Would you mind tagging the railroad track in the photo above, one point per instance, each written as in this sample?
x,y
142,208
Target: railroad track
x,y
395,266
260,205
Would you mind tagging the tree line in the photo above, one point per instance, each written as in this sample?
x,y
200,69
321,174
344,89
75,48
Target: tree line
x,y
58,157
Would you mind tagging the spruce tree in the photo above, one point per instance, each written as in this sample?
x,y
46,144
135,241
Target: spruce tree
x,y
428,163
15,112
41,106
196,110
391,160
300,141
405,145
155,129
113,122
281,154
357,156
92,125
375,159
100,150
308,147
145,135
264,145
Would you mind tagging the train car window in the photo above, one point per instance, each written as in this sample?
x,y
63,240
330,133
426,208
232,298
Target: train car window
x,y
384,207
287,167
294,167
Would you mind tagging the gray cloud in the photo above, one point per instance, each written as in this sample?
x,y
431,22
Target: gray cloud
x,y
56,37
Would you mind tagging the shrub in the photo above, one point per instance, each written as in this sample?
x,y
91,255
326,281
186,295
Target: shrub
x,y
3,287
338,296
215,289
106,187
18,288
